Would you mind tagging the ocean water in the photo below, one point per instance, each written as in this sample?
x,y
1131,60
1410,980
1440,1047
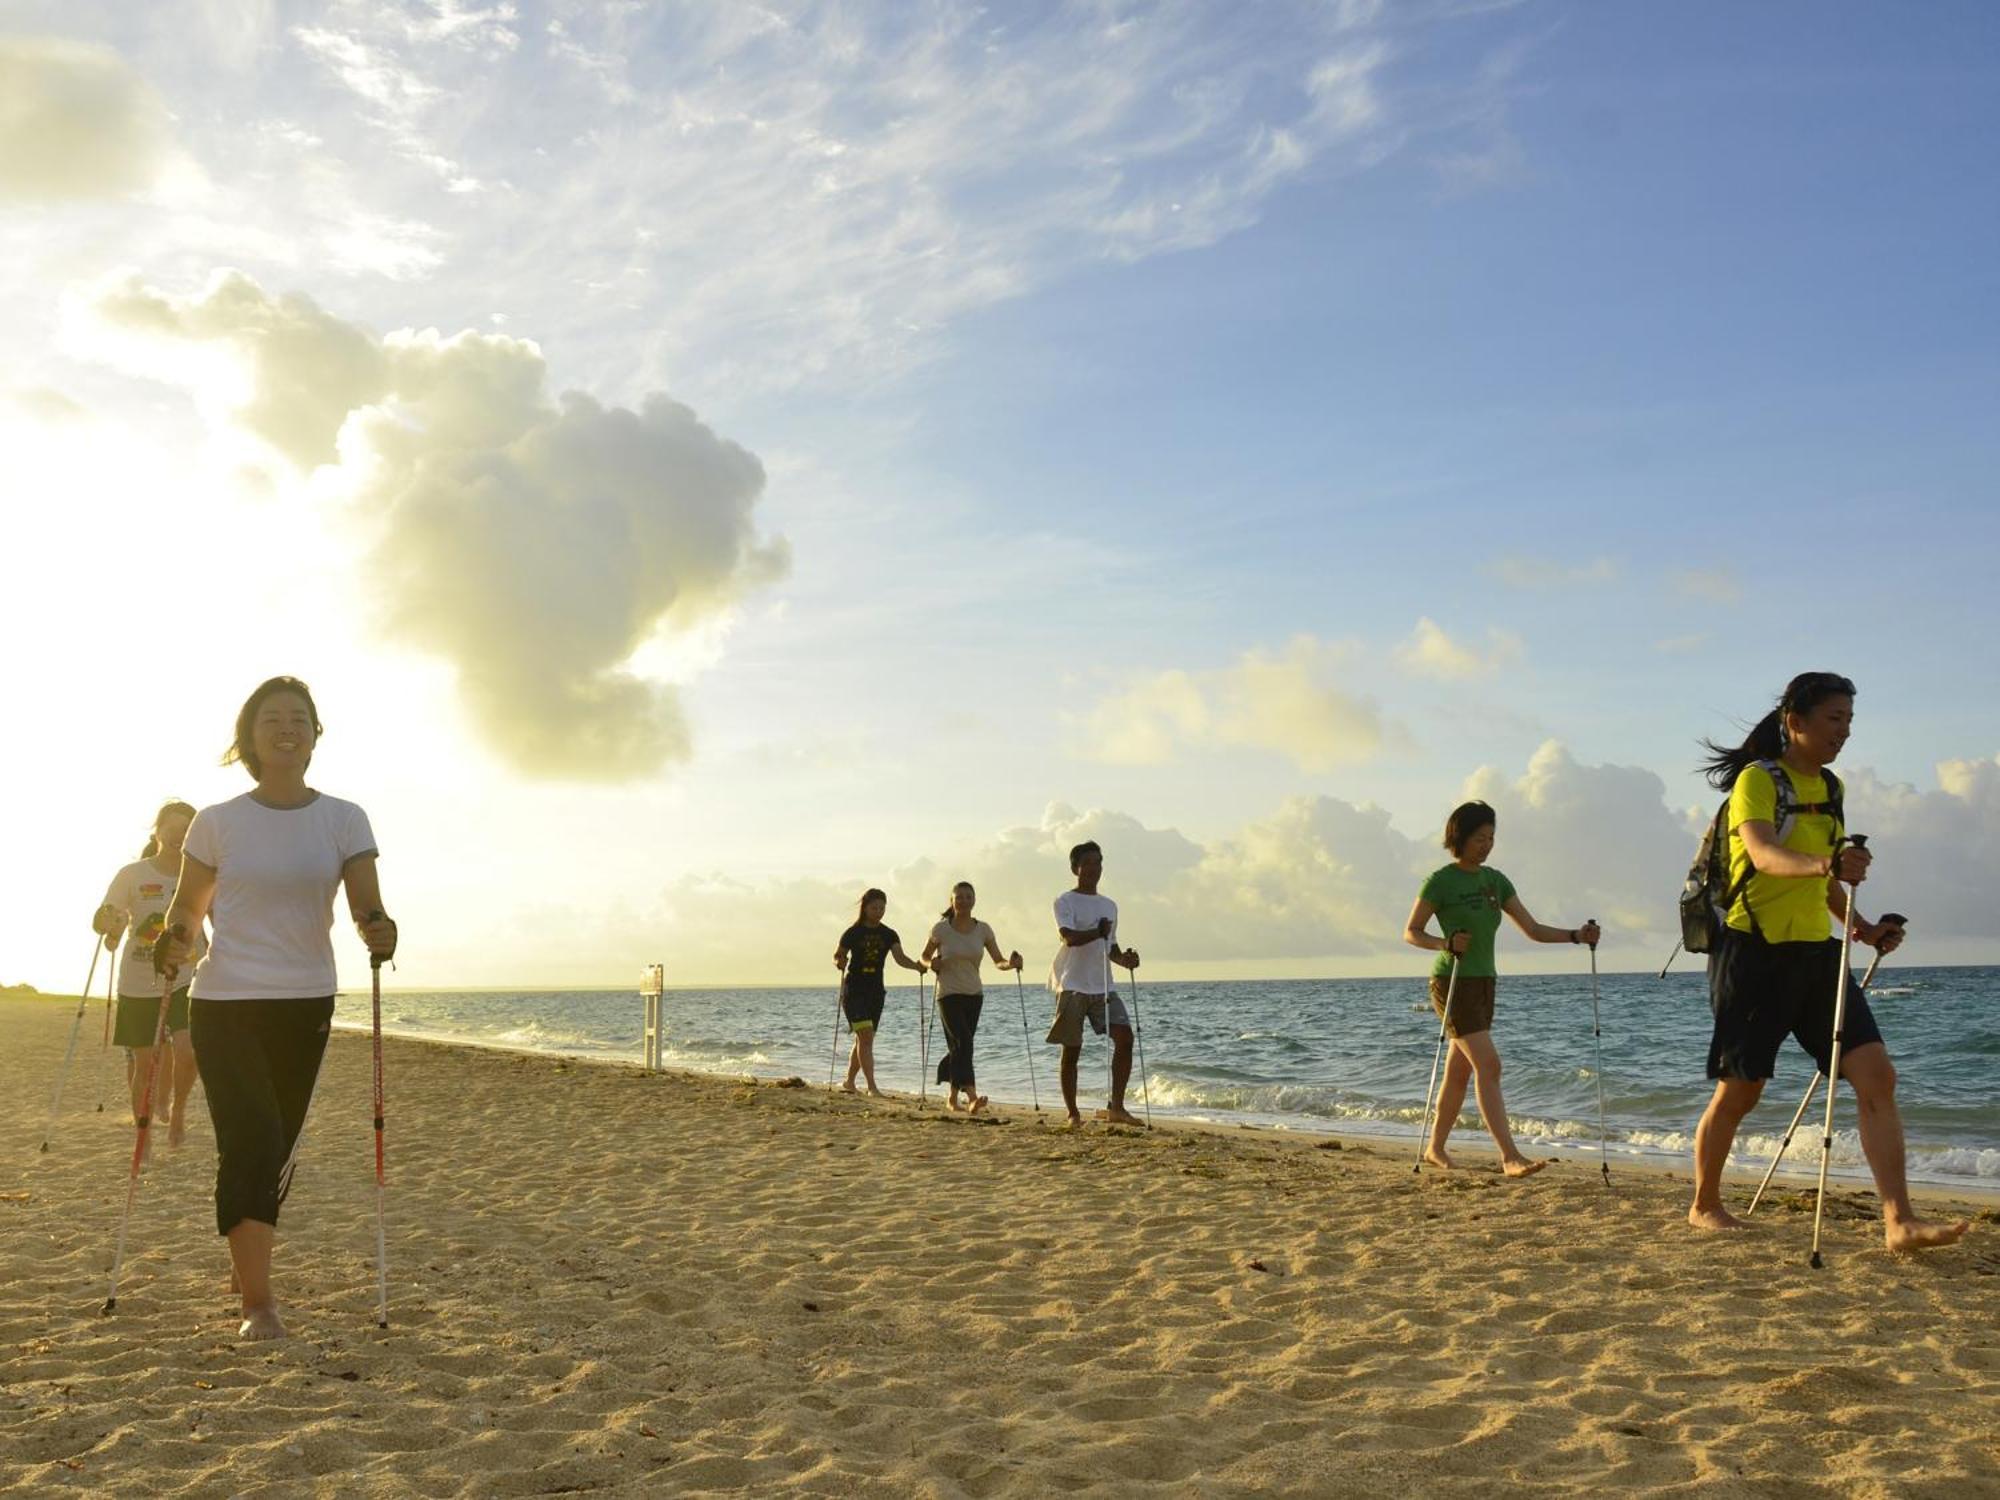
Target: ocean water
x,y
1346,1055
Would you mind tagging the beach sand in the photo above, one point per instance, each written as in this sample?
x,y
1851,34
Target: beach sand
x,y
604,1282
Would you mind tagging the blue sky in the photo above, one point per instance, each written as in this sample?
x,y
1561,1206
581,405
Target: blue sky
x,y
1168,420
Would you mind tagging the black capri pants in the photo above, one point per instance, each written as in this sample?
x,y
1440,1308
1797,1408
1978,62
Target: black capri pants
x,y
959,1015
258,1061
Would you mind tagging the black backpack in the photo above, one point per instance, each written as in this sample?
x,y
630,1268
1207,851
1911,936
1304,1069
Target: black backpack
x,y
1707,894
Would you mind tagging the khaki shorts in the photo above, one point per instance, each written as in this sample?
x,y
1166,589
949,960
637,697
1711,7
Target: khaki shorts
x,y
1471,1006
1073,1008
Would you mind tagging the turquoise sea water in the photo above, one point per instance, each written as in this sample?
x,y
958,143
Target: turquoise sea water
x,y
1347,1055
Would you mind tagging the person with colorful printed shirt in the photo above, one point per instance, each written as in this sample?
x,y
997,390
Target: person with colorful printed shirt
x,y
1468,897
1776,969
135,907
861,955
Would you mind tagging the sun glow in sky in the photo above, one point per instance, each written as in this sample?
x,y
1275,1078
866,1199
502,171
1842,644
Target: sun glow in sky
x,y
710,459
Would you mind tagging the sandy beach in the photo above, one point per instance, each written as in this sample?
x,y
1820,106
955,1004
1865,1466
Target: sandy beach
x,y
605,1282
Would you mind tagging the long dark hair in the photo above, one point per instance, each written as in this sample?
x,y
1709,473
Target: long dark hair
x,y
243,748
153,843
951,906
1766,740
871,894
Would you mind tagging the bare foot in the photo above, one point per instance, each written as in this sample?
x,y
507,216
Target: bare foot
x,y
260,1323
1118,1114
177,1131
1520,1166
1074,1122
977,1105
1713,1218
849,1088
875,1093
1437,1156
1922,1234
952,1103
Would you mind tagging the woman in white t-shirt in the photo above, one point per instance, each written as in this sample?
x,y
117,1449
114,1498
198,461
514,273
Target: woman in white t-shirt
x,y
263,868
136,904
958,942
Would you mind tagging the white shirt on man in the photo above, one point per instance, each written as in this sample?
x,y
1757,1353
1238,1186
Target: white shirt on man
x,y
276,872
1086,967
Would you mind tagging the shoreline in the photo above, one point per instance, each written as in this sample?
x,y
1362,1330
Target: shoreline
x,y
604,1281
1467,1141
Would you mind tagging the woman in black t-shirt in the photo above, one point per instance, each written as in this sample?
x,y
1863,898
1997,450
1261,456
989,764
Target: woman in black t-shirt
x,y
861,955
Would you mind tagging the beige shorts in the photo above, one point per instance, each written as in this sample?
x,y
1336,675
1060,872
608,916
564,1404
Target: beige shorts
x,y
1073,1008
1471,1005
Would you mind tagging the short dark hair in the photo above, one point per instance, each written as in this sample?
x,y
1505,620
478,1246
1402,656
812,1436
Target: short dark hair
x,y
1466,819
1076,854
244,748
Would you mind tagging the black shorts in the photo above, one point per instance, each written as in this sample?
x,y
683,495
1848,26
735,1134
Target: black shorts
x,y
138,1015
1763,992
862,1008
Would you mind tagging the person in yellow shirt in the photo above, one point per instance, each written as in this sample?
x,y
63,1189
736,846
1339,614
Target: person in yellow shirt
x,y
1774,972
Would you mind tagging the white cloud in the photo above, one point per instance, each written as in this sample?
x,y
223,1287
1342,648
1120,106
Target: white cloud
x,y
1431,652
75,123
1552,573
1716,585
1285,703
537,544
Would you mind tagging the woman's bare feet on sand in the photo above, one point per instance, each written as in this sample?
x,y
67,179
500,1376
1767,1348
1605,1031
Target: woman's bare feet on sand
x,y
978,1104
849,1088
260,1323
1922,1234
1118,1114
1717,1218
1520,1166
875,1093
1436,1156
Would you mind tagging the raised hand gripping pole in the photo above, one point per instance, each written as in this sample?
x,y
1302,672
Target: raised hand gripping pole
x,y
1860,841
1430,1090
381,1215
1889,918
142,1131
1597,1040
75,1031
1027,1044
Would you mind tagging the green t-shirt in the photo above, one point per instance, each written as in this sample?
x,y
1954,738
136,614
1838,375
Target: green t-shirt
x,y
1790,909
1468,903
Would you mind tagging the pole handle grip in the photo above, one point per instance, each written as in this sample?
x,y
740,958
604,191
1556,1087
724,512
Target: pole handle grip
x,y
375,959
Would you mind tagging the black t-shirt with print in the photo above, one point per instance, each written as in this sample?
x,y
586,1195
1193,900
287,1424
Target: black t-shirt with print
x,y
867,953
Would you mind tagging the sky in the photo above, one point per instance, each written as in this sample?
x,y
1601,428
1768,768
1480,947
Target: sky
x,y
710,459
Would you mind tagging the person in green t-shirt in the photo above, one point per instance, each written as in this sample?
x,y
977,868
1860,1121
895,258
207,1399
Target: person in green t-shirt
x,y
1776,969
1467,899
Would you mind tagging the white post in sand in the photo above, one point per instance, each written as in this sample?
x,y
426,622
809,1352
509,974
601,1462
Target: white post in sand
x,y
653,1041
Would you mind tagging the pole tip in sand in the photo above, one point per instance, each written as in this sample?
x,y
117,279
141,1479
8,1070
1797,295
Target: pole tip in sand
x,y
1817,1263
110,1306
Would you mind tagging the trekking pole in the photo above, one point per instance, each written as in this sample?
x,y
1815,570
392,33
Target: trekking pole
x,y
1670,959
1597,1040
1139,1036
834,1061
110,998
381,1225
1027,1045
76,1031
1889,917
1450,989
1860,841
923,1044
142,1132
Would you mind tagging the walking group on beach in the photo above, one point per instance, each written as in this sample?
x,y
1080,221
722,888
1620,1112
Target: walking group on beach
x,y
261,871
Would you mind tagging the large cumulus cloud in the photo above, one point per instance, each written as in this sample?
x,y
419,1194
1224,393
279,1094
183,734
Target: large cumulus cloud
x,y
534,542
75,123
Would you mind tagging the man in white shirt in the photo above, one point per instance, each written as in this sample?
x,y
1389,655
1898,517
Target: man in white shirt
x,y
1081,979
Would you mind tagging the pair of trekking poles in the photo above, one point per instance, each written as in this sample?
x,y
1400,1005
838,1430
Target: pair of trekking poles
x,y
76,1031
1597,1041
143,1121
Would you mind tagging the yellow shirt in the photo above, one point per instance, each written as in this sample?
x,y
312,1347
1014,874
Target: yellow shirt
x,y
1790,909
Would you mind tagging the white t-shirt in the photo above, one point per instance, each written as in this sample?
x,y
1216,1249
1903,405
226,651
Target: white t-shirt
x,y
1083,969
276,871
141,895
